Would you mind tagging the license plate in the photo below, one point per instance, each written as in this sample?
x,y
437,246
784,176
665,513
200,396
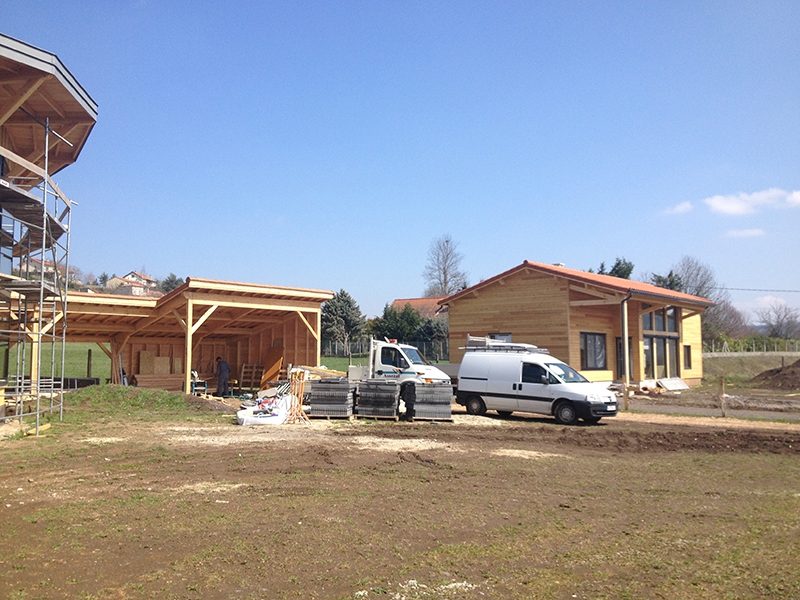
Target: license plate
x,y
611,407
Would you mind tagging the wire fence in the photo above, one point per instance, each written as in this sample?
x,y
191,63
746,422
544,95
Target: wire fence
x,y
436,350
753,345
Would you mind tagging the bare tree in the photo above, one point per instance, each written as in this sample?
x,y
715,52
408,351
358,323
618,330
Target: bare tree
x,y
443,272
697,279
691,276
780,320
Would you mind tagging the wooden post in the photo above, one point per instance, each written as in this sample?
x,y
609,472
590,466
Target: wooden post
x,y
722,403
187,363
89,363
626,358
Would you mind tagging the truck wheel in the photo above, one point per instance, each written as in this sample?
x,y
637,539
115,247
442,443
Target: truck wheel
x,y
505,413
565,413
475,405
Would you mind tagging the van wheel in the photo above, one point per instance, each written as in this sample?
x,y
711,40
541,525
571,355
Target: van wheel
x,y
565,413
475,405
505,413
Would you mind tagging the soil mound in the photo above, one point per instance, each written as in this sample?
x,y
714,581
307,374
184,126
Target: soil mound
x,y
784,378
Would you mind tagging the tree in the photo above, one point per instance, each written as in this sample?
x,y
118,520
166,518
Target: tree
x,y
670,281
396,324
691,276
443,272
103,279
622,268
342,320
170,283
780,320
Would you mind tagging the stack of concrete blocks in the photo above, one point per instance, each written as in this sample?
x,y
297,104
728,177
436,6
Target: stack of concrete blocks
x,y
428,401
378,398
330,397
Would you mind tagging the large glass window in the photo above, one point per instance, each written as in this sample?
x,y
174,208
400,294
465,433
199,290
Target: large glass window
x,y
593,351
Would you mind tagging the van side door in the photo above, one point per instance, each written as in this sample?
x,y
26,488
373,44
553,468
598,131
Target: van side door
x,y
501,387
533,394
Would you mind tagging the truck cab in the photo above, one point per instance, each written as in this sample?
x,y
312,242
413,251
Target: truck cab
x,y
397,362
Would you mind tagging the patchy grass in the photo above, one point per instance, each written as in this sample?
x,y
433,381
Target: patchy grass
x,y
125,504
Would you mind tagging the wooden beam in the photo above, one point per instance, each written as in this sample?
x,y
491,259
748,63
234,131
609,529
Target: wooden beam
x,y
104,349
594,302
180,319
267,304
310,328
203,317
25,92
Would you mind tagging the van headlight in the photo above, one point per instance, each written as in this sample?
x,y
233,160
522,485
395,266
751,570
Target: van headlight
x,y
596,399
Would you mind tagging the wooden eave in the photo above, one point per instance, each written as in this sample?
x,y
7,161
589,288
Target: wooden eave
x,y
587,289
35,85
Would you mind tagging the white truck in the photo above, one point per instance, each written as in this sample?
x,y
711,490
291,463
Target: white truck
x,y
397,379
508,377
397,362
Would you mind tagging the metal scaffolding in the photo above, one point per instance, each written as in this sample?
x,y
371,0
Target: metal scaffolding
x,y
45,119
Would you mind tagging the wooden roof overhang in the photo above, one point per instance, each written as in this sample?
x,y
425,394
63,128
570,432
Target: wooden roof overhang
x,y
220,310
36,86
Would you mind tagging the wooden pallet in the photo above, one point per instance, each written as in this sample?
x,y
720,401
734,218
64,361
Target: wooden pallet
x,y
378,417
332,417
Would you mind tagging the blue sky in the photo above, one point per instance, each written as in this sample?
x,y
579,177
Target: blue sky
x,y
326,144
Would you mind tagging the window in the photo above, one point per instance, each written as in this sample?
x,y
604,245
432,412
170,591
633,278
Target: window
x,y
391,356
533,373
687,357
593,351
672,321
661,319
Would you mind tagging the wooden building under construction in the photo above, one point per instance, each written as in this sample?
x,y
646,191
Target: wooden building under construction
x,y
160,341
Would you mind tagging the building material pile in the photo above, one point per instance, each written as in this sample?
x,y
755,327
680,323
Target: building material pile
x,y
429,401
378,398
331,397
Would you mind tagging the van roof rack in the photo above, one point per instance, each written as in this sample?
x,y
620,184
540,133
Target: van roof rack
x,y
488,344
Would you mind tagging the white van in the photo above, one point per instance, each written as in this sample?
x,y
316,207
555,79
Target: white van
x,y
508,377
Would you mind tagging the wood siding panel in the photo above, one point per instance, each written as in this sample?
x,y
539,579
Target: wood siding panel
x,y
531,307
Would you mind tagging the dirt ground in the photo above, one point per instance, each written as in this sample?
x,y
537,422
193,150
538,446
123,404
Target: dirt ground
x,y
640,506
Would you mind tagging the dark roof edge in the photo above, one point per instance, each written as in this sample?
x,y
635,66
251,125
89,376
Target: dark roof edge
x,y
47,62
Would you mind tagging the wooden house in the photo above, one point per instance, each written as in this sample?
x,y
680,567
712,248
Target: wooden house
x,y
582,318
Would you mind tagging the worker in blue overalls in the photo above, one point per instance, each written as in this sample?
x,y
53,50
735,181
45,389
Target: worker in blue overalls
x,y
222,374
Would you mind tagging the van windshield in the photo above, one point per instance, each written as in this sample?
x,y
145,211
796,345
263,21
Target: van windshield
x,y
414,356
566,373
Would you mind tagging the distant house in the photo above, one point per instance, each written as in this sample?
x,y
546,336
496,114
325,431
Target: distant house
x,y
139,280
580,317
428,308
132,289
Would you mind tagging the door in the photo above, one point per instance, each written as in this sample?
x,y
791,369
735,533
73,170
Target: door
x,y
391,363
501,388
533,395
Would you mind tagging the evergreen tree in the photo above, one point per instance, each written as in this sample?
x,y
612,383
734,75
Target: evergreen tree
x,y
170,283
342,320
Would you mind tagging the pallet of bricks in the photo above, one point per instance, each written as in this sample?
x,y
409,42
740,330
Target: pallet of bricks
x,y
330,397
429,401
378,398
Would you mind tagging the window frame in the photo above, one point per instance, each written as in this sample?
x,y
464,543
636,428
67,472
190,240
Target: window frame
x,y
589,351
